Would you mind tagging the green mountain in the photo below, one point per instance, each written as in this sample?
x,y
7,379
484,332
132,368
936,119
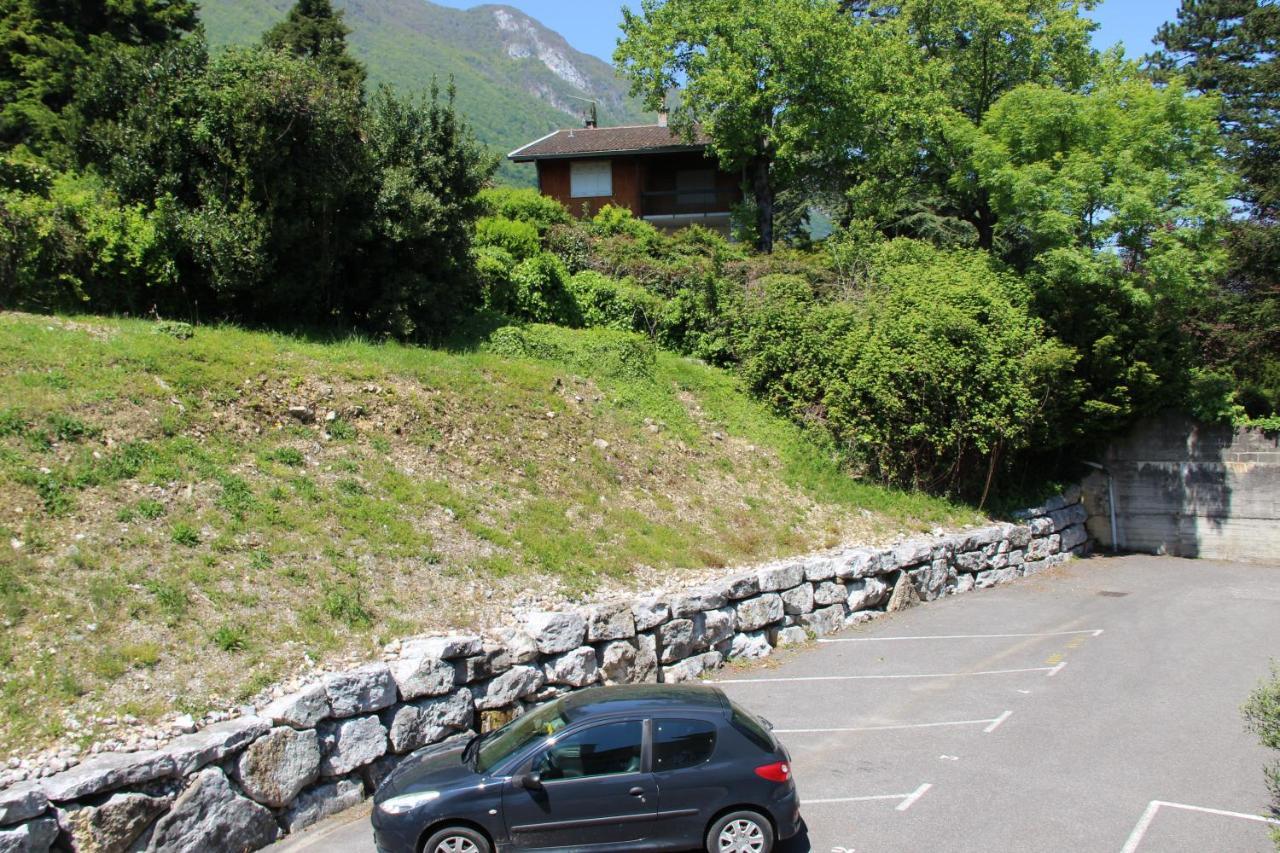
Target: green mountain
x,y
516,79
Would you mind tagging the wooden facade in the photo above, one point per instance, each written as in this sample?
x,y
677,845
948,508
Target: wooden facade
x,y
671,189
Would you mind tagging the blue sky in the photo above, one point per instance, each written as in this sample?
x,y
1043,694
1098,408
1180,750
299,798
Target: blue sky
x,y
593,26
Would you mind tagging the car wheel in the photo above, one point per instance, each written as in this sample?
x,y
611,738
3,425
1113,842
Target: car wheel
x,y
741,832
457,839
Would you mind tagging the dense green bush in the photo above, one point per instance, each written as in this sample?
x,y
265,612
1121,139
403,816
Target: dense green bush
x,y
517,237
933,378
253,185
602,352
494,266
64,238
621,305
612,220
525,205
540,291
947,372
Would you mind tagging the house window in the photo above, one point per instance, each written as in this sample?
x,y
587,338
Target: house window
x,y
590,178
696,187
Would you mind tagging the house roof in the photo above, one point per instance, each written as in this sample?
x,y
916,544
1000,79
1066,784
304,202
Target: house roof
x,y
605,141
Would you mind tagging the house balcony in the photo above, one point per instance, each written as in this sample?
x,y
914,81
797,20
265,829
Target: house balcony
x,y
677,208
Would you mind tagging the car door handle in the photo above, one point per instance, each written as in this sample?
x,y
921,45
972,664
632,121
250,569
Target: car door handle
x,y
636,791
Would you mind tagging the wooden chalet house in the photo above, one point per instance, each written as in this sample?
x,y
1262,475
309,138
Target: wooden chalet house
x,y
661,177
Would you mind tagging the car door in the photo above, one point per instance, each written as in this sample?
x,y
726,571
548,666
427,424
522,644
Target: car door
x,y
693,780
594,791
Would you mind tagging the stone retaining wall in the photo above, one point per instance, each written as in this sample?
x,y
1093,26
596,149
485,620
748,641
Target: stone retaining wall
x,y
242,783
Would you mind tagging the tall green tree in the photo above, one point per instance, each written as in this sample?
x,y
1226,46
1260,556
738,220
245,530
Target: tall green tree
x,y
969,54
1228,48
1105,191
257,158
427,173
1231,48
314,30
1111,203
766,81
45,44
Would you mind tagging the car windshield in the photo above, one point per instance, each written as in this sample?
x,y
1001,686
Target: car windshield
x,y
519,733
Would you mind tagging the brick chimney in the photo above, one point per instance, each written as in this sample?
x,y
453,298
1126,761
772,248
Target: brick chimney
x,y
662,118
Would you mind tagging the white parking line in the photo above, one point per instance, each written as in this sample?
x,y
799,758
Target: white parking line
x,y
1052,670
1149,816
1093,632
915,795
991,726
907,800
995,724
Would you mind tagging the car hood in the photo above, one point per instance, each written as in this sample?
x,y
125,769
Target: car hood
x,y
431,768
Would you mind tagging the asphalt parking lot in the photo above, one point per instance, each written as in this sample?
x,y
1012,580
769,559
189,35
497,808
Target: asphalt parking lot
x,y
1091,708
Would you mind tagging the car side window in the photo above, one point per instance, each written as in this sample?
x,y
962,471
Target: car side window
x,y
602,750
682,743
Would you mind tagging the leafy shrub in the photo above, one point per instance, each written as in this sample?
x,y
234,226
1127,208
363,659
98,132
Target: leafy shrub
x,y
65,239
1262,715
540,291
341,429
699,318
571,243
519,239
620,305
943,372
612,220
494,266
525,205
596,352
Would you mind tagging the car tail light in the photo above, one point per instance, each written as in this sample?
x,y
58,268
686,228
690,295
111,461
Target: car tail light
x,y
778,772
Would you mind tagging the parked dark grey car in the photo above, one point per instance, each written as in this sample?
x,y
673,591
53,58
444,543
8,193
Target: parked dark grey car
x,y
638,767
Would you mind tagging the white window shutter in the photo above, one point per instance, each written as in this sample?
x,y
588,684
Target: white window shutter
x,y
591,178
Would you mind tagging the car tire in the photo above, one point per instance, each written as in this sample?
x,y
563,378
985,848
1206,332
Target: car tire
x,y
741,832
457,839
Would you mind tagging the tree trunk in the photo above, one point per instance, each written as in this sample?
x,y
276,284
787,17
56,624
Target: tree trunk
x,y
762,189
984,221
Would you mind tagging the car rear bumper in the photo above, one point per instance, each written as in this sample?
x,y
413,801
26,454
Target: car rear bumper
x,y
785,811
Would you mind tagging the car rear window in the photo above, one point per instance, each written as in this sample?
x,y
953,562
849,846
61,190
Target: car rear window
x,y
752,729
682,743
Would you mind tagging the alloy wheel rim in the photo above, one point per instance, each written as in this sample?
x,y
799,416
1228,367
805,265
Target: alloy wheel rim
x,y
456,844
741,836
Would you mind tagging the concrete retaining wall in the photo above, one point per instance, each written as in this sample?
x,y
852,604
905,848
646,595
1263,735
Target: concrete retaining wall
x,y
1190,490
242,783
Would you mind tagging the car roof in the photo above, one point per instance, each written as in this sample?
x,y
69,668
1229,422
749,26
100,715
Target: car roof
x,y
643,698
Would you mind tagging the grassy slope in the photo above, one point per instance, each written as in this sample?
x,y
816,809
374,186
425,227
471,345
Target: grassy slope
x,y
173,538
405,43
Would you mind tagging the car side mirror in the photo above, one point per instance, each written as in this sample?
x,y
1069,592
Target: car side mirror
x,y
528,781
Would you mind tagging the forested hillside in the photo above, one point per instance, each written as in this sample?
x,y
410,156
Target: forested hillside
x,y
516,79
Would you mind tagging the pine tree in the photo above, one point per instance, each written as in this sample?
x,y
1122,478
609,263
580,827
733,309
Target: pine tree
x,y
1229,47
314,30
